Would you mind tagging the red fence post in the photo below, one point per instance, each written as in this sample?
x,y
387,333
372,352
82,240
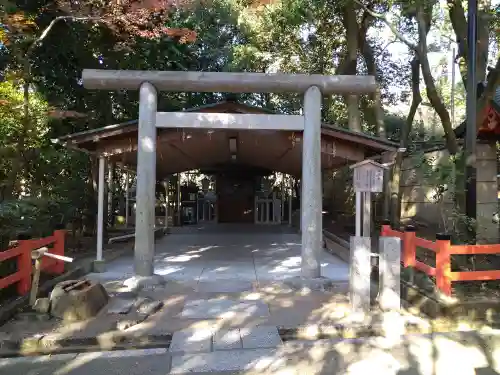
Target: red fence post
x,y
443,263
58,249
24,266
409,247
386,226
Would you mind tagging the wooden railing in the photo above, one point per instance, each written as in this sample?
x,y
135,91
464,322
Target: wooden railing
x,y
22,253
443,250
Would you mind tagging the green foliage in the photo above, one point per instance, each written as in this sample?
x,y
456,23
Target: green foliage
x,y
54,185
444,175
12,129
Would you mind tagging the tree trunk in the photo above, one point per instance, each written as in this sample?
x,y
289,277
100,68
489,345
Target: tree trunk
x,y
396,195
424,18
459,23
376,111
352,101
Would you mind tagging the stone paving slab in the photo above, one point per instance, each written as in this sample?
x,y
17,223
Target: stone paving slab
x,y
224,308
260,337
465,353
224,286
228,339
43,365
234,270
130,362
192,340
238,360
179,272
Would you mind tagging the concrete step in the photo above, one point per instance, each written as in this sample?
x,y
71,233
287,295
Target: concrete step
x,y
459,353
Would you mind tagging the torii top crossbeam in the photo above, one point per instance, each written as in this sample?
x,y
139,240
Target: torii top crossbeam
x,y
226,82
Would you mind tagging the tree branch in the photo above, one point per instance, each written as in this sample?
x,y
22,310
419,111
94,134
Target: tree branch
x,y
52,23
424,25
404,140
394,29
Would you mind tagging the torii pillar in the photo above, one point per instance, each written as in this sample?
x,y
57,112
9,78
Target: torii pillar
x,y
312,86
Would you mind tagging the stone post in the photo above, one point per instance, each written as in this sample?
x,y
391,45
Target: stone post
x,y
359,277
390,273
486,193
311,185
146,177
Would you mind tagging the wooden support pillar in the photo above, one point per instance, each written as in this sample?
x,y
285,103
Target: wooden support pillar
x,y
179,212
111,206
100,208
127,198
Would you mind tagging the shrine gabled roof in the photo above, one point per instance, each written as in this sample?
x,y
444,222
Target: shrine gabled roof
x,y
82,140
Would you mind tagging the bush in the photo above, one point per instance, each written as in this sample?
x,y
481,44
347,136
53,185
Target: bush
x,y
33,217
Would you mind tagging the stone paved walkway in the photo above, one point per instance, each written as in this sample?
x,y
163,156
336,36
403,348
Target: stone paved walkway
x,y
244,254
224,301
459,354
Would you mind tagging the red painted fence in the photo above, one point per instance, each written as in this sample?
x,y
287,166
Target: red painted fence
x,y
22,252
443,249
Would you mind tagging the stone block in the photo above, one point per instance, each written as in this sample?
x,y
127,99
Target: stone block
x,y
147,283
240,361
76,300
224,308
359,283
149,307
42,305
192,340
98,266
260,337
487,192
486,170
320,284
486,151
120,306
390,271
230,339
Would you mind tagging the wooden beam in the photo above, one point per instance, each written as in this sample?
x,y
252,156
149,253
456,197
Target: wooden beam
x,y
359,140
229,121
226,82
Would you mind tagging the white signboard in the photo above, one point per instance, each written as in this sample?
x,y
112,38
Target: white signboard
x,y
368,177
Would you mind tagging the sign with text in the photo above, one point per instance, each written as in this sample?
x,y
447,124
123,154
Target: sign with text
x,y
368,177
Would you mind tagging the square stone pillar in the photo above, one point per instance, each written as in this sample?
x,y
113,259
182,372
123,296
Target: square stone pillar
x,y
390,273
486,193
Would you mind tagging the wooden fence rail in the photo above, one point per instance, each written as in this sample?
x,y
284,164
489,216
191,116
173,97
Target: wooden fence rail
x,y
443,250
22,253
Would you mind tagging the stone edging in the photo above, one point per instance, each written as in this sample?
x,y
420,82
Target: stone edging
x,y
417,301
360,330
47,345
